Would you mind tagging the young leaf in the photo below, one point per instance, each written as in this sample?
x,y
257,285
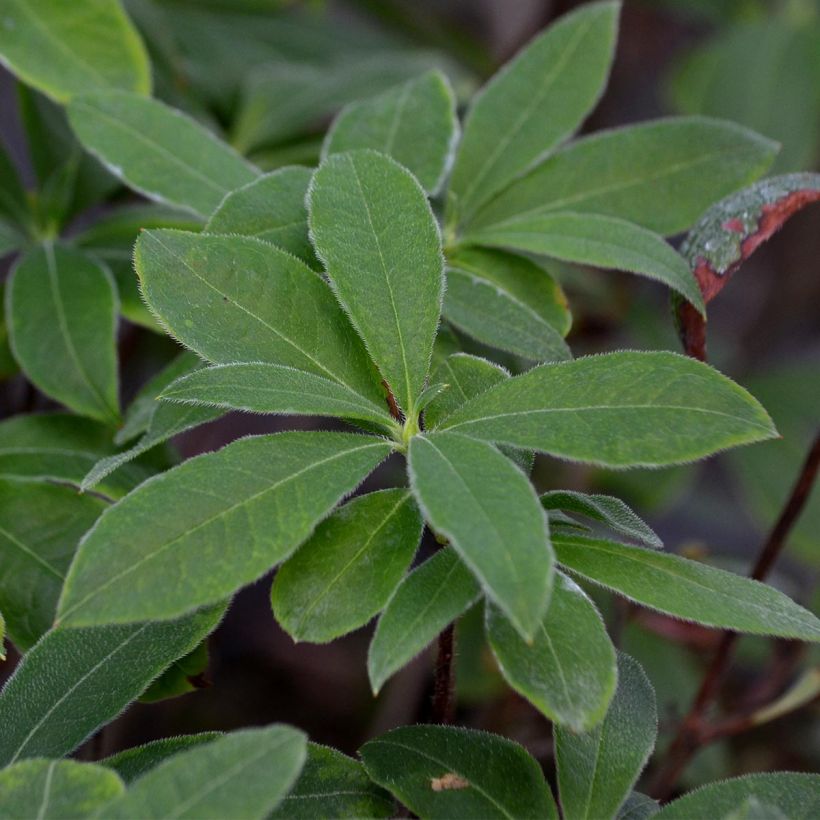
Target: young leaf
x,y
604,508
487,508
62,312
661,175
40,526
63,49
184,675
568,671
272,208
592,239
238,299
618,410
348,569
797,796
597,769
131,764
158,151
533,104
163,550
242,774
430,597
333,785
414,123
687,589
56,789
75,680
387,271
443,772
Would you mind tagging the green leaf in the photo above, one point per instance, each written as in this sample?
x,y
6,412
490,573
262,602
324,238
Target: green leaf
x,y
534,103
687,589
568,671
238,299
487,508
592,239
597,769
14,205
241,774
414,123
56,789
638,807
272,208
61,309
445,772
75,680
131,764
200,531
184,675
661,175
40,526
797,796
348,569
158,151
432,596
63,49
333,785
603,508
2,637
387,271
273,388
617,410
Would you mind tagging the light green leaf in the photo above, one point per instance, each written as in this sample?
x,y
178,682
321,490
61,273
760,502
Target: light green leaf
x,y
597,769
386,269
414,123
687,589
592,239
272,208
61,309
603,508
432,596
273,388
75,680
534,103
348,569
158,151
135,762
797,796
63,49
243,774
453,773
618,410
200,531
487,508
661,175
184,675
56,789
333,785
238,299
568,671
40,526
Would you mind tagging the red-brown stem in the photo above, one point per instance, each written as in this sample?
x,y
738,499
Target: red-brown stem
x,y
694,732
444,705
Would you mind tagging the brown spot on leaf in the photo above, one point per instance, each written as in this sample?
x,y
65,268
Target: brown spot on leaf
x,y
448,782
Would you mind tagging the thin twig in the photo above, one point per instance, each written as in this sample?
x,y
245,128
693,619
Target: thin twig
x,y
444,705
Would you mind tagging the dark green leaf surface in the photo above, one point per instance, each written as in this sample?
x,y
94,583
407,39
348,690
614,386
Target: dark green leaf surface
x,y
135,762
202,530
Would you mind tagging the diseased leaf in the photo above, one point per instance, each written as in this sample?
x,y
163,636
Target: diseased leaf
x,y
61,309
414,123
202,530
158,151
618,410
687,589
386,271
661,174
135,762
443,772
568,671
348,569
597,769
432,596
487,508
533,104
75,680
63,49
